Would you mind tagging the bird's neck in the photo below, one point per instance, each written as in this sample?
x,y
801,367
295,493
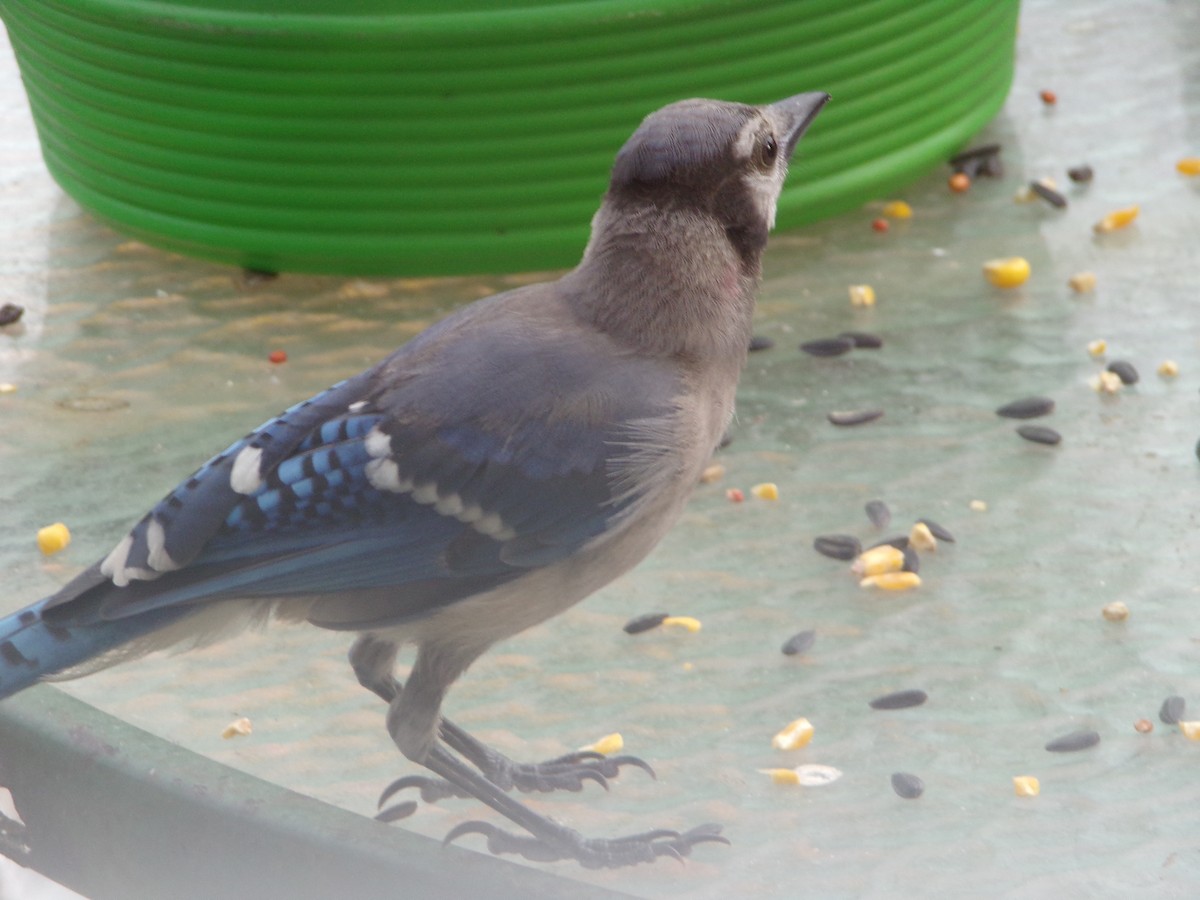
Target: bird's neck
x,y
667,282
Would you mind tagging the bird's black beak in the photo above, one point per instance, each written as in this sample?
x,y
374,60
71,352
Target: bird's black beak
x,y
795,115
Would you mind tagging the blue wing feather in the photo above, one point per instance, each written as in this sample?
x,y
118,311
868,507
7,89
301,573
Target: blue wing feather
x,y
535,451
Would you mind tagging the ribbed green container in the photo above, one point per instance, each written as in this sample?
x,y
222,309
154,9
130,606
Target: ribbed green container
x,y
377,137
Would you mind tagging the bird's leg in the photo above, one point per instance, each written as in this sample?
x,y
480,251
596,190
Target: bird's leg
x,y
373,661
413,719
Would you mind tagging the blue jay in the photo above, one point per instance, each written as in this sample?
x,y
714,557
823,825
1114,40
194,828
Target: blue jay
x,y
498,468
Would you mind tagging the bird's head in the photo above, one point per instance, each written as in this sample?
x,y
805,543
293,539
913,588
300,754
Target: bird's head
x,y
725,160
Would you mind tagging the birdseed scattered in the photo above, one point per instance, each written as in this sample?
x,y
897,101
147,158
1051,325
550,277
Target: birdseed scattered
x,y
1115,611
878,512
768,490
1189,165
1076,740
1116,220
760,342
912,560
863,340
9,313
862,295
1124,370
892,581
1082,282
977,506
878,561
907,785
1191,730
53,538
827,346
1007,272
838,546
1026,785
1026,408
921,538
687,623
794,736
1168,368
899,699
1039,434
1172,710
1106,382
1143,726
607,745
237,728
799,643
1048,193
734,495
277,356
849,417
711,473
1097,347
646,622
939,531
1081,174
897,209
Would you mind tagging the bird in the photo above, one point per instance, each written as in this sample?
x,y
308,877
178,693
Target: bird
x,y
493,471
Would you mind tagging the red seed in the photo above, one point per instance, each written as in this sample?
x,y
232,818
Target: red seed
x,y
960,182
735,495
1048,97
880,225
278,356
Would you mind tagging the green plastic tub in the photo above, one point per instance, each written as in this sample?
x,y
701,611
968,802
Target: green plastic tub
x,y
405,138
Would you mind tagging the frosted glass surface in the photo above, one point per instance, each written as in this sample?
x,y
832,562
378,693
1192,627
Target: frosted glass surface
x,y
132,366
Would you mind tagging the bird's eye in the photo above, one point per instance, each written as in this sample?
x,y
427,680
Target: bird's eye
x,y
768,149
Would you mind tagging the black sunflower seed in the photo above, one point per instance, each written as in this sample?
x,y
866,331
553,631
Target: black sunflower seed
x,y
799,642
638,624
828,346
1026,408
1076,740
760,342
1172,709
907,785
900,699
938,531
1039,434
862,340
878,513
853,416
1049,194
912,560
899,541
838,546
9,313
1080,174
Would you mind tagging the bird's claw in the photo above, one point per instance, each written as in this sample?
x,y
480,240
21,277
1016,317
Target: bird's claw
x,y
432,789
592,853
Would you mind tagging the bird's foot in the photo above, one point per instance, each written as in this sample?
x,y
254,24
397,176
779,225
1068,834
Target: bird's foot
x,y
563,773
557,843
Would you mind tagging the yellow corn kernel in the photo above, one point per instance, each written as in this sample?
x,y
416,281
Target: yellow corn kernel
x,y
1024,194
862,295
237,728
608,745
766,491
1168,368
1026,785
1097,347
685,622
796,735
898,209
1106,382
892,581
53,538
782,776
1008,272
7,387
1189,165
1191,730
1082,282
1116,219
878,560
712,473
977,506
921,538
